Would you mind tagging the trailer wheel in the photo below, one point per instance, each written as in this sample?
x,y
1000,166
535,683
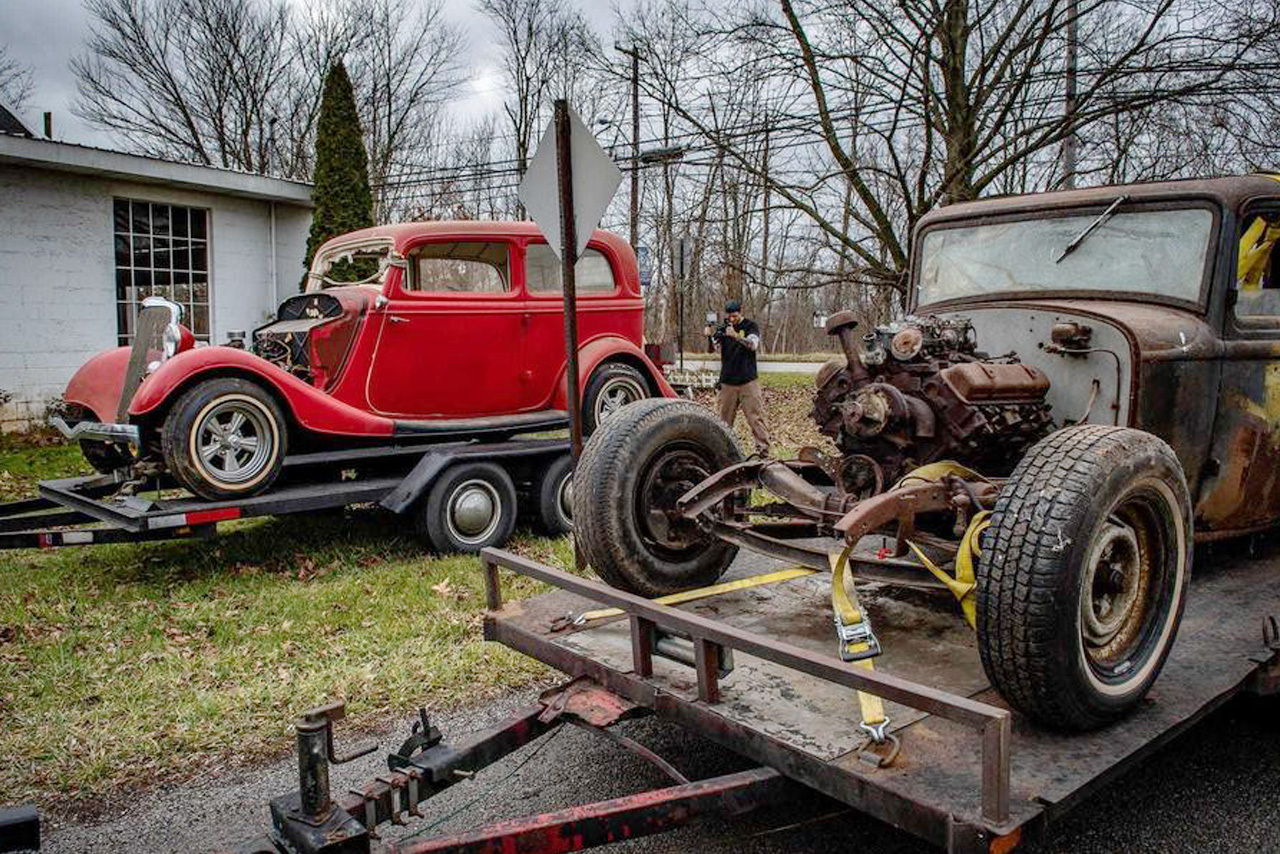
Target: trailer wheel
x,y
224,438
470,506
610,387
625,488
105,457
1083,575
555,497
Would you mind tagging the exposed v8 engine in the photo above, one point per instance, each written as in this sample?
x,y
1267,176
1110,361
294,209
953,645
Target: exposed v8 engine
x,y
919,390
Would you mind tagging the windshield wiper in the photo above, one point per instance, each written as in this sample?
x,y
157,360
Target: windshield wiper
x,y
1082,236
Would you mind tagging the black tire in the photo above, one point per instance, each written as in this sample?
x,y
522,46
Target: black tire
x,y
648,455
554,493
447,518
106,457
1083,575
610,387
196,421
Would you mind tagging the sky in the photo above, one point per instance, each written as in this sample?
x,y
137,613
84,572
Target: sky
x,y
46,34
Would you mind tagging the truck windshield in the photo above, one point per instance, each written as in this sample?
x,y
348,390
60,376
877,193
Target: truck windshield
x,y
1159,253
349,265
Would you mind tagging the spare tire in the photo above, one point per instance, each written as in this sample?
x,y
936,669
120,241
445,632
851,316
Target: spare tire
x,y
1083,575
625,487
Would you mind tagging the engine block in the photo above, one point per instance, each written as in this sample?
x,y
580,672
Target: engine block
x,y
919,390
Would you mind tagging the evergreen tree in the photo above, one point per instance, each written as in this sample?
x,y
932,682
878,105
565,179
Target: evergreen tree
x,y
341,193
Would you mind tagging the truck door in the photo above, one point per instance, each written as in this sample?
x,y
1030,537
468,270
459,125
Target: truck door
x,y
451,340
1244,492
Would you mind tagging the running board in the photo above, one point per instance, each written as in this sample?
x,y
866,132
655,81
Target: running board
x,y
530,422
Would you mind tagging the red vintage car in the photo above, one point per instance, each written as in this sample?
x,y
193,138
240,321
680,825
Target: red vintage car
x,y
413,332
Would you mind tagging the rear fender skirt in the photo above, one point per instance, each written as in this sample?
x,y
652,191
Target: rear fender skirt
x,y
310,407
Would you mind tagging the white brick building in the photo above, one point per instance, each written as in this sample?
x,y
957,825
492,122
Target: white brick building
x,y
85,234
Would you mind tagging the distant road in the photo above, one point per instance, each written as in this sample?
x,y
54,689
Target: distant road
x,y
764,366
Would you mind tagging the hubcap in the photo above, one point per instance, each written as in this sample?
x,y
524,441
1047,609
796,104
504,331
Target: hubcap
x,y
617,393
235,441
473,511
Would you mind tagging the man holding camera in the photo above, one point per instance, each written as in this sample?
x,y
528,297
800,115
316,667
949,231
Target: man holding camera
x,y
738,339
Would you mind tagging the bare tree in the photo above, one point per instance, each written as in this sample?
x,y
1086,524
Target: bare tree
x,y
16,80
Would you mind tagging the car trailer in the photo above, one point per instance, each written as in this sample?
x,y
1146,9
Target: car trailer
x,y
753,669
462,496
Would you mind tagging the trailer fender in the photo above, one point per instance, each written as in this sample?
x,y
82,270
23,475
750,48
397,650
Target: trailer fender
x,y
610,348
308,406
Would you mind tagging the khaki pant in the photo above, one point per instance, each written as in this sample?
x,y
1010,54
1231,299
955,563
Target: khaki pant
x,y
749,398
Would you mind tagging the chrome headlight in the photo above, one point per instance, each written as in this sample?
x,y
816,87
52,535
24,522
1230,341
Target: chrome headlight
x,y
172,335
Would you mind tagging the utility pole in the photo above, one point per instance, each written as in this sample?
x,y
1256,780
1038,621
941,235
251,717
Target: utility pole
x,y
1070,151
635,140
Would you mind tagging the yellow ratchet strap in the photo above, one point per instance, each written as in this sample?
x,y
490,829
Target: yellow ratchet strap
x,y
963,584
703,592
935,472
858,644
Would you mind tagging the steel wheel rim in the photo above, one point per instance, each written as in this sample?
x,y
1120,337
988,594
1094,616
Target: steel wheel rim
x,y
564,499
473,511
615,394
1122,587
235,441
676,470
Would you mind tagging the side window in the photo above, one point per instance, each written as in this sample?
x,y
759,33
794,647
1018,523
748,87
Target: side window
x,y
1258,272
593,275
462,267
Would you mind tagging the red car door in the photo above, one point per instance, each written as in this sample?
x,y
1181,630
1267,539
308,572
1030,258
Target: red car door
x,y
451,337
598,313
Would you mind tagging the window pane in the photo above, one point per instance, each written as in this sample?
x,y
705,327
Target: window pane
x,y
161,284
181,255
123,280
121,211
178,222
200,319
124,318
142,251
199,261
472,267
141,280
141,218
198,224
122,250
159,219
542,271
199,289
160,246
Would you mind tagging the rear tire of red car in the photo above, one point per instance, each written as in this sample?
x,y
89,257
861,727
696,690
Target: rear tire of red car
x,y
225,438
609,388
470,506
555,497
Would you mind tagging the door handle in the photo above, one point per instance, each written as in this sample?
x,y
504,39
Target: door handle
x,y
395,318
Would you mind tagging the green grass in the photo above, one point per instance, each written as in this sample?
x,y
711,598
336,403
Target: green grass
x,y
30,457
126,665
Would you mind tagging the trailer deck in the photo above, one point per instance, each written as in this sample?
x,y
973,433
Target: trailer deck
x,y
956,788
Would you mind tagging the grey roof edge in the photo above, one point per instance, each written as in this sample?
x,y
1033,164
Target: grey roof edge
x,y
100,162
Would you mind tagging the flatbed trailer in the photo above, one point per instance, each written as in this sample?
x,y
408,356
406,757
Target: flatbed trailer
x,y
92,509
759,674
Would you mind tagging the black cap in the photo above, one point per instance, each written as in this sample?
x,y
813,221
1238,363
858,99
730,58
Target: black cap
x,y
732,306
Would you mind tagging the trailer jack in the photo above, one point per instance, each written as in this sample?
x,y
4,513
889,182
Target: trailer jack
x,y
312,821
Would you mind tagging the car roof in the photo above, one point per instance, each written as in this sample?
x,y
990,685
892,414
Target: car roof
x,y
404,233
1231,192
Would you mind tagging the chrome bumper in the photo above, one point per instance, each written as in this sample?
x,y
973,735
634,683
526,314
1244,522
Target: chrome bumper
x,y
97,430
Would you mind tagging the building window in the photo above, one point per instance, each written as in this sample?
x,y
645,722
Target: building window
x,y
161,250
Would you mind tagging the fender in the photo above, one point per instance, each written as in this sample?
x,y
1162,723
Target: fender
x,y
97,384
309,406
601,349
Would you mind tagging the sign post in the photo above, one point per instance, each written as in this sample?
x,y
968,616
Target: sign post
x,y
569,260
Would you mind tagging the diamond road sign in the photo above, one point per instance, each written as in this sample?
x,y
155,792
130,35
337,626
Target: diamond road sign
x,y
595,179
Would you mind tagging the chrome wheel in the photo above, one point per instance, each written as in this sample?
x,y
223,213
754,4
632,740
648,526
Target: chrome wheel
x,y
617,393
564,499
235,440
473,511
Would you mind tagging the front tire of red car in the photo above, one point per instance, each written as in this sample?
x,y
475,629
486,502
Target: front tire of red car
x,y
225,438
609,388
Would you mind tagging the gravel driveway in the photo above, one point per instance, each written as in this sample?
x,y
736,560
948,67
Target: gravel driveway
x,y
1215,789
